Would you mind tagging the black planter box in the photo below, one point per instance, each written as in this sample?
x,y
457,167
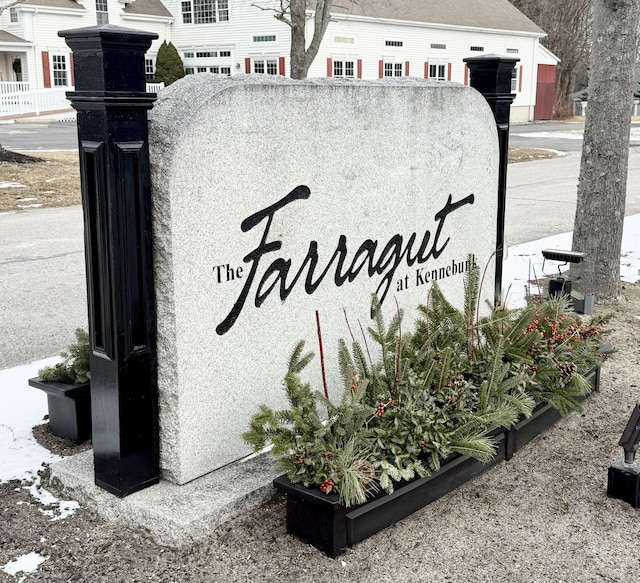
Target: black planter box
x,y
323,522
69,409
544,416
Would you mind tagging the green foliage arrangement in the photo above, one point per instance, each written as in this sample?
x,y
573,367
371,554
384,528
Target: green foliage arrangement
x,y
435,392
75,367
169,66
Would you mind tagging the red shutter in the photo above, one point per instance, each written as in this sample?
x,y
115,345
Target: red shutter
x,y
406,68
380,69
247,65
520,81
281,66
466,74
359,68
329,67
449,72
73,78
46,72
426,70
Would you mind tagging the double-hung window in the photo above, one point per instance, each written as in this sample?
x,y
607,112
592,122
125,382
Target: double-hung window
x,y
60,77
393,69
343,68
438,71
149,69
514,80
102,12
265,66
204,11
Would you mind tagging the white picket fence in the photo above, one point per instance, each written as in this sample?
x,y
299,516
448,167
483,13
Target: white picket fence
x,y
17,98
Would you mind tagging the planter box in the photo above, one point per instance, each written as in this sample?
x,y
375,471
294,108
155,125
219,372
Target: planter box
x,y
69,409
543,417
323,522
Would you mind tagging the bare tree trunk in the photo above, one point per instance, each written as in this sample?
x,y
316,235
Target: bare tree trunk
x,y
302,56
605,152
294,14
298,41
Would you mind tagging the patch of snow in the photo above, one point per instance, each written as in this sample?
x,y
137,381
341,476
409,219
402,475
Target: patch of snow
x,y
558,153
11,185
574,135
25,563
28,199
23,407
30,206
22,456
524,262
577,135
60,509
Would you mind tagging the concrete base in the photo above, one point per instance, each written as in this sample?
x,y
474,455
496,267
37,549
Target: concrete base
x,y
172,515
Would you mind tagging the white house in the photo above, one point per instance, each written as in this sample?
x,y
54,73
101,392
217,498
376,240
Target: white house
x,y
365,39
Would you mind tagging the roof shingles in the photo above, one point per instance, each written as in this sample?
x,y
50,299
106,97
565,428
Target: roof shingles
x,y
491,14
148,7
54,3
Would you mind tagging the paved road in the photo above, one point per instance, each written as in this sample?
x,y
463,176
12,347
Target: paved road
x,y
542,194
39,136
562,136
42,281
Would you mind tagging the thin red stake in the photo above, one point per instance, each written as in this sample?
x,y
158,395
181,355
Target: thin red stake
x,y
348,325
364,337
324,375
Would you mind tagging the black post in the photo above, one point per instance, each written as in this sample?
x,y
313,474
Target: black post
x,y
491,76
112,107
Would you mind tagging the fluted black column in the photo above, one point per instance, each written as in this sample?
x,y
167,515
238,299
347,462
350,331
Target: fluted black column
x,y
112,107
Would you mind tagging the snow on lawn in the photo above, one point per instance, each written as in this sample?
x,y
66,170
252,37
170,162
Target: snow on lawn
x,y
524,262
574,134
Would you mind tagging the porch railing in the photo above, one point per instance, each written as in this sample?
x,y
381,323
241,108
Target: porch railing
x,y
17,98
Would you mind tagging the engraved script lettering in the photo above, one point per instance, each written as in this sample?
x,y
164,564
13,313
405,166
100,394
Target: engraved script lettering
x,y
343,268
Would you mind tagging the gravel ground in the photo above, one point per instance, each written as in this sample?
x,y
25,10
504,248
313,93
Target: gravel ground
x,y
542,517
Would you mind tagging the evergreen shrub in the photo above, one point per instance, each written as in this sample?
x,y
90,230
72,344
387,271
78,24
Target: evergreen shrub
x,y
75,367
434,392
169,66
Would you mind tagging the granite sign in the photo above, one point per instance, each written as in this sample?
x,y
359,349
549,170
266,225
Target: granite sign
x,y
274,200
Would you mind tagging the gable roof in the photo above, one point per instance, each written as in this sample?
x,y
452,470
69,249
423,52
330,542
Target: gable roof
x,y
491,14
148,7
7,37
53,3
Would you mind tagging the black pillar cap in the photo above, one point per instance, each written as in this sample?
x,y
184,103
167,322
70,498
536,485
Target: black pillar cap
x,y
108,57
491,73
